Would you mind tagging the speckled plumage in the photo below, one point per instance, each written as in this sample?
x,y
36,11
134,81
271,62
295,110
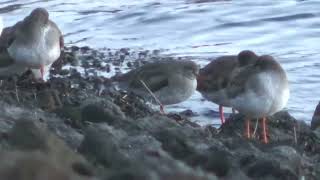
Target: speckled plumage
x,y
171,81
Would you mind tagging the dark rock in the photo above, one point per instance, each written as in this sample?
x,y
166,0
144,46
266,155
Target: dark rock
x,y
125,139
130,173
129,64
64,72
27,135
85,49
72,115
20,165
74,48
288,157
125,51
188,113
95,113
82,169
187,177
108,112
216,161
99,146
49,100
175,143
268,169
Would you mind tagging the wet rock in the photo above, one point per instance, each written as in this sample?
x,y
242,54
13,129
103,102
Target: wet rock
x,y
108,112
216,161
188,177
124,138
70,57
49,99
85,49
289,159
27,135
35,165
129,64
188,113
131,173
174,142
268,169
279,162
74,48
72,115
317,170
100,146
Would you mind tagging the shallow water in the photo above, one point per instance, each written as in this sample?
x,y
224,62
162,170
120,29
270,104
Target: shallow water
x,y
287,29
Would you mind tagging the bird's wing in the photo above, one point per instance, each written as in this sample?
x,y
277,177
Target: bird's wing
x,y
153,78
8,35
61,39
216,75
6,39
238,83
5,59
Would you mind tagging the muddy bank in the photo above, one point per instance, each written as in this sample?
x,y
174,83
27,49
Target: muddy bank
x,y
78,126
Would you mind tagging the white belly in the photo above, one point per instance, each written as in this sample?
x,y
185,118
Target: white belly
x,y
252,105
179,89
35,54
274,98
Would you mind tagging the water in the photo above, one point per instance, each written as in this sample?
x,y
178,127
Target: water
x,y
287,29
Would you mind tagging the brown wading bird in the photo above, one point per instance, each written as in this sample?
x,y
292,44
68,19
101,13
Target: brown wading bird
x,y
259,90
166,82
214,78
258,87
33,43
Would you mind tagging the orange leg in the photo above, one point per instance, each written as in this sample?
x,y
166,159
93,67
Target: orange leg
x,y
264,129
221,114
248,129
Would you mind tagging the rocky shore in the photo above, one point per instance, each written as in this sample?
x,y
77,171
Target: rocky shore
x,y
77,126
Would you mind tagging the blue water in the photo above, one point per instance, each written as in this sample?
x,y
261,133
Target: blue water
x,y
287,29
